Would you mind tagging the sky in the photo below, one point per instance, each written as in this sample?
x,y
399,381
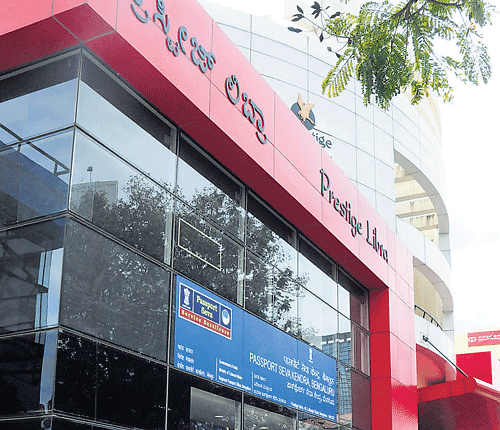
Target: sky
x,y
471,146
471,149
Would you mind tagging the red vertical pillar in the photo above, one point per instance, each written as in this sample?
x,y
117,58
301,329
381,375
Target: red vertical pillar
x,y
394,395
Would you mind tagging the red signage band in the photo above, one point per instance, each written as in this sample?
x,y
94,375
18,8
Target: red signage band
x,y
484,338
203,322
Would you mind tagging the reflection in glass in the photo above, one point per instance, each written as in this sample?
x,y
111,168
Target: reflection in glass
x,y
255,418
361,349
75,377
113,293
199,250
344,393
114,196
199,404
34,178
27,367
270,238
30,276
344,340
259,288
210,191
317,281
119,120
44,423
130,391
312,422
38,100
211,412
318,321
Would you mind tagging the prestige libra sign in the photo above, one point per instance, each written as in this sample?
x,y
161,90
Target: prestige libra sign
x,y
344,209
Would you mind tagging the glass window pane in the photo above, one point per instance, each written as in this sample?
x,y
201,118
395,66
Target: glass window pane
x,y
344,394
210,191
259,288
76,375
207,256
361,349
270,238
285,303
344,301
345,340
38,100
318,321
120,200
258,418
130,391
34,178
122,122
27,367
209,411
30,276
27,424
317,281
113,293
312,422
199,404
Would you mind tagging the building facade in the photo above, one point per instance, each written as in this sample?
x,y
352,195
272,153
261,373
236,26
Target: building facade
x,y
180,252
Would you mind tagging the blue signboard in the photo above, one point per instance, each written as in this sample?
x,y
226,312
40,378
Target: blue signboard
x,y
221,342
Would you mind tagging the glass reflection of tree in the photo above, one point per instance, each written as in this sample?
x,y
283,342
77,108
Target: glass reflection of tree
x,y
113,293
140,219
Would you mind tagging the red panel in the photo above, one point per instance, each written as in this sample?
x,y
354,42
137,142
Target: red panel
x,y
406,406
371,257
20,13
380,362
230,61
192,87
230,119
379,310
295,142
84,22
33,42
106,10
407,365
301,190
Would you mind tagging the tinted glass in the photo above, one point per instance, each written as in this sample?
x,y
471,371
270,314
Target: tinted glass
x,y
27,367
317,281
361,349
122,122
114,294
27,424
318,321
30,276
269,237
258,418
344,393
34,178
75,377
208,256
198,404
120,200
130,391
345,340
38,100
210,191
60,424
361,401
311,422
259,288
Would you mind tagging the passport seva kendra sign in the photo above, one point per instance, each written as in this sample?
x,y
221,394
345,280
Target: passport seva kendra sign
x,y
221,342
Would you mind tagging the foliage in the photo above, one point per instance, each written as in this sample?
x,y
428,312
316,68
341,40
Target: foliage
x,y
393,47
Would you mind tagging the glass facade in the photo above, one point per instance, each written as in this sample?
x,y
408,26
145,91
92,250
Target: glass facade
x,y
103,202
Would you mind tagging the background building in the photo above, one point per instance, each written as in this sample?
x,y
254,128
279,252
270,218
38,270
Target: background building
x,y
179,252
